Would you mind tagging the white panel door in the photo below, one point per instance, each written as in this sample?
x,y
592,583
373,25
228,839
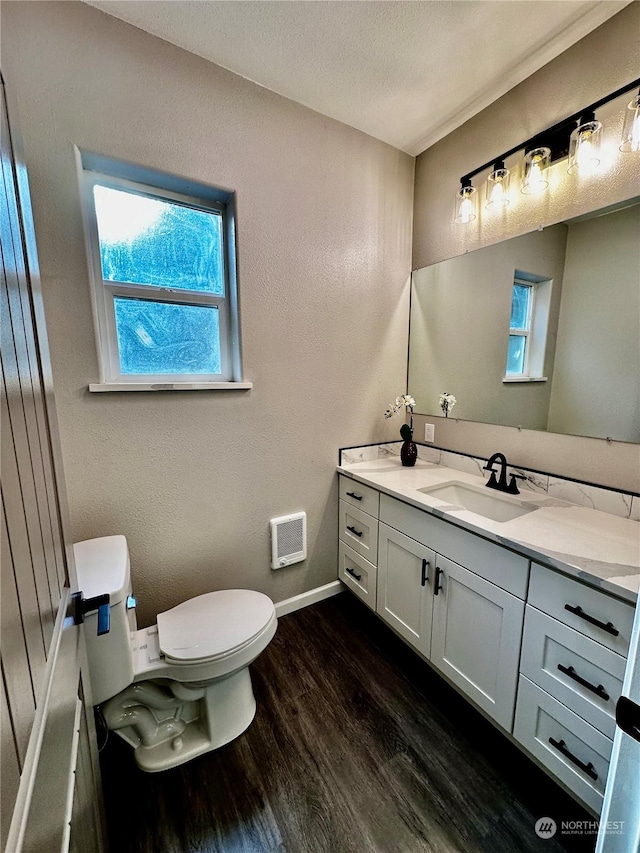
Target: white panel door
x,y
50,778
404,600
476,637
621,806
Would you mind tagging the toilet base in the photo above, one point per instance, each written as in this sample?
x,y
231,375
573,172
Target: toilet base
x,y
165,737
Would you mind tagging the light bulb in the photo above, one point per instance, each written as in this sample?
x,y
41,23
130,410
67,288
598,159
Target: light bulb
x,y
535,177
497,188
584,147
586,160
465,203
466,210
497,193
535,165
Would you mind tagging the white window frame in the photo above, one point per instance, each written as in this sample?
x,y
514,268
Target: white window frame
x,y
523,332
535,330
96,170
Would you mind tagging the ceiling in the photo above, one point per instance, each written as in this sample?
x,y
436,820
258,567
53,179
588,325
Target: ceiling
x,y
407,73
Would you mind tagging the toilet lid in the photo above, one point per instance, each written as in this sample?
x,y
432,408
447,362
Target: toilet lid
x,y
213,625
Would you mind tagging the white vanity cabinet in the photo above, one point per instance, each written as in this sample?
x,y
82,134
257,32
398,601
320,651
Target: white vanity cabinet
x,y
443,590
456,598
572,667
539,652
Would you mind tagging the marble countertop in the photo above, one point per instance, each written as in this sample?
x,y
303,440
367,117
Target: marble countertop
x,y
596,547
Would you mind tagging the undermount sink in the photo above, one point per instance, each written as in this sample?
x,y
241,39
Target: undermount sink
x,y
477,499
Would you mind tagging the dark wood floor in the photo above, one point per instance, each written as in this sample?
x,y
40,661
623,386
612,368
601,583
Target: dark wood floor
x,y
357,747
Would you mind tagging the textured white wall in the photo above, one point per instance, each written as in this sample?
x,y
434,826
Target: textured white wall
x,y
600,63
324,241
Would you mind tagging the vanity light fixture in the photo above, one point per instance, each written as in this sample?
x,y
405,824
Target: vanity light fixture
x,y
466,202
576,137
631,127
584,145
497,187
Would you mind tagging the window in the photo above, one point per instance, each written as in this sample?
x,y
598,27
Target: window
x,y
162,258
521,310
530,302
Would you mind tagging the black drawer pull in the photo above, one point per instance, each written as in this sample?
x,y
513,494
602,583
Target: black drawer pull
x,y
592,620
437,586
353,530
599,690
352,573
425,566
561,746
353,495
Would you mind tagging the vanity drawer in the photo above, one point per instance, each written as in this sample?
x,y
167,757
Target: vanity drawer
x,y
358,574
359,530
584,675
574,751
358,495
591,611
502,567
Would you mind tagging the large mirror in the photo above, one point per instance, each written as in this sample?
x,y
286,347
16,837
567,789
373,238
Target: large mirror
x,y
541,331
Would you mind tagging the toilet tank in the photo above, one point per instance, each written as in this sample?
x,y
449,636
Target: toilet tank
x,y
102,566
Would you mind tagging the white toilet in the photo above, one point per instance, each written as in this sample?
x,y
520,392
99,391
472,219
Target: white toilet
x,y
181,687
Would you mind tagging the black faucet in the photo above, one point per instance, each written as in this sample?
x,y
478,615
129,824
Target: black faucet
x,y
501,484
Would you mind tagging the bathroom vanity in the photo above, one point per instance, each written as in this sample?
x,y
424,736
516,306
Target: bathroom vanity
x,y
524,603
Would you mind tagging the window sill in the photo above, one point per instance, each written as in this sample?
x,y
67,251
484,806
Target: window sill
x,y
524,379
170,386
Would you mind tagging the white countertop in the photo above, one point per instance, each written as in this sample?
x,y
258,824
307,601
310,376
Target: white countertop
x,y
598,548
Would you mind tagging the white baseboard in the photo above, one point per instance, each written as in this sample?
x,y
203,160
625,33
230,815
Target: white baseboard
x,y
297,602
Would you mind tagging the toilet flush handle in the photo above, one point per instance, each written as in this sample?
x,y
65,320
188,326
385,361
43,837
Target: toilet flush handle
x,y
82,606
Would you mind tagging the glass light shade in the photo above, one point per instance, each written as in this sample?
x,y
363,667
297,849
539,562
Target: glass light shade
x,y
536,163
631,127
497,189
584,148
466,205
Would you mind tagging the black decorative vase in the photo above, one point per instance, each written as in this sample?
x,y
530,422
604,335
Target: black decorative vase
x,y
408,453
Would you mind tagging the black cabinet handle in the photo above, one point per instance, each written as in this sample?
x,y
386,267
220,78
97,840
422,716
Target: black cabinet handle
x,y
353,530
592,620
599,690
561,746
425,566
352,573
438,586
353,495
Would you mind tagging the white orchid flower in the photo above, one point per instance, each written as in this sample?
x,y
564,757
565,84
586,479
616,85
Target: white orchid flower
x,y
447,402
405,401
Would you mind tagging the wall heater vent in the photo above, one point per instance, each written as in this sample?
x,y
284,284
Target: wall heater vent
x,y
288,539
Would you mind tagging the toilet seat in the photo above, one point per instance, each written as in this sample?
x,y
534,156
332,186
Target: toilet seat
x,y
213,626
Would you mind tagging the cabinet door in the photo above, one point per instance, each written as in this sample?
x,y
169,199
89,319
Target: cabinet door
x,y
477,631
404,600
